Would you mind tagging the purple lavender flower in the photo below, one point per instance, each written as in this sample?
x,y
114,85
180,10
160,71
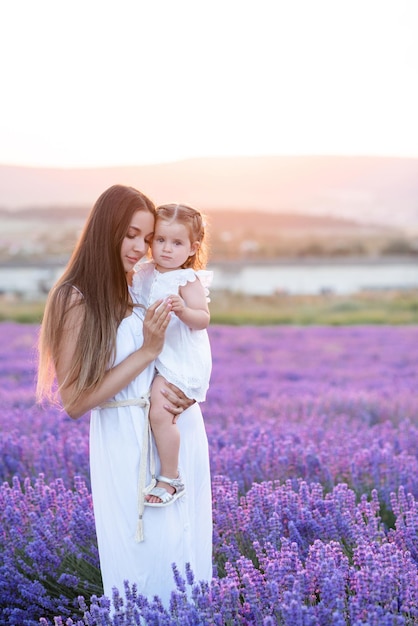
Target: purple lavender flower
x,y
313,449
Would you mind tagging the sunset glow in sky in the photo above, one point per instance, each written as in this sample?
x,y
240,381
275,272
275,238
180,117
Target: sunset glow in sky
x,y
99,82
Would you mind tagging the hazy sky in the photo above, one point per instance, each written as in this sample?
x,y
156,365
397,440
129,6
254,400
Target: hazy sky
x,y
97,82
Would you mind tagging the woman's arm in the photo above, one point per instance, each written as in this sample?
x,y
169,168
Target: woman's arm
x,y
191,307
119,376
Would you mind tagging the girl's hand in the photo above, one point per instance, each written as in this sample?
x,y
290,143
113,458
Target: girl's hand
x,y
177,304
156,321
177,400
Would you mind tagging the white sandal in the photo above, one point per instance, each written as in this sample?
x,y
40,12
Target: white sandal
x,y
165,496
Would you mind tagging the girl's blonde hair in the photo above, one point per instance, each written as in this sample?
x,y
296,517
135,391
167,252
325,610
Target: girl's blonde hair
x,y
195,223
96,275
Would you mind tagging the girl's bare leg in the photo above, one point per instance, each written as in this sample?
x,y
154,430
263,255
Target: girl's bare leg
x,y
166,434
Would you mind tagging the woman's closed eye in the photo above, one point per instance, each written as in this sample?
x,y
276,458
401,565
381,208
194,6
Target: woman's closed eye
x,y
131,234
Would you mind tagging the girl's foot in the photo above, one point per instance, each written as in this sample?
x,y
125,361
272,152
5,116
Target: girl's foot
x,y
155,499
167,491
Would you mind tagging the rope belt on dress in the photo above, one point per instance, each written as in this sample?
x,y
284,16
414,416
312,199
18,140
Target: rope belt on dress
x,y
147,449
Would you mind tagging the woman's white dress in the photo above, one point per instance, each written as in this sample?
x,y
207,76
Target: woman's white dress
x,y
185,359
180,533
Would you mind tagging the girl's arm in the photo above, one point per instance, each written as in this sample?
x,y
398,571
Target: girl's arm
x,y
191,307
119,376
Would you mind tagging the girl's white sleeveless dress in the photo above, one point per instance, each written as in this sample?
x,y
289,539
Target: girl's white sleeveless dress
x,y
185,359
180,533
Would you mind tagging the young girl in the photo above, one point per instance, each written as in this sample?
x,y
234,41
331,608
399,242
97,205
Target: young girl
x,y
178,252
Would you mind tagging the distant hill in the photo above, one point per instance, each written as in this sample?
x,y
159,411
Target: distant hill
x,y
46,233
372,190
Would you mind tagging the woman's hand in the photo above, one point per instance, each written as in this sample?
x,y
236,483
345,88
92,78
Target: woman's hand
x,y
177,400
156,321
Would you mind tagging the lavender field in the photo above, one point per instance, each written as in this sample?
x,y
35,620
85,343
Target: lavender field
x,y
313,435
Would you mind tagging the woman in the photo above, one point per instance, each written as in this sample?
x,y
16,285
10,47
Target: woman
x,y
101,348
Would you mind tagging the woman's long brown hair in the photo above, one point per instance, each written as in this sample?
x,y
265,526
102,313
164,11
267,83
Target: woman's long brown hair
x,y
96,271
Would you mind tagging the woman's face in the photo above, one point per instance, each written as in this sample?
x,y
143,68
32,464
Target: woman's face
x,y
137,240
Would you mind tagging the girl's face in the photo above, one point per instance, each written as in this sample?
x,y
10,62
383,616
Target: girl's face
x,y
171,245
137,240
